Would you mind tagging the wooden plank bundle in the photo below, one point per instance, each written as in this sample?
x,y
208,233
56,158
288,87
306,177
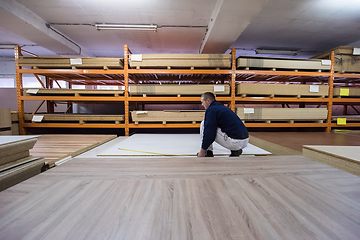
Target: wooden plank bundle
x,y
67,62
282,63
75,117
346,92
272,90
176,89
5,121
16,164
347,59
180,60
281,114
73,92
168,116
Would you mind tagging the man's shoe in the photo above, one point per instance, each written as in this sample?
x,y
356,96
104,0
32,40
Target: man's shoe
x,y
236,153
209,153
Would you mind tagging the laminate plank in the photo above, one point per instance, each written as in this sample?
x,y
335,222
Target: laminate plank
x,y
273,197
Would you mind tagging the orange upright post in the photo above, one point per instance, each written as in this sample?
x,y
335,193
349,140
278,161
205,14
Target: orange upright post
x,y
233,78
126,93
19,91
331,88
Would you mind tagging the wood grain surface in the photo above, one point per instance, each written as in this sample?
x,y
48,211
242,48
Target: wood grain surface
x,y
53,147
274,197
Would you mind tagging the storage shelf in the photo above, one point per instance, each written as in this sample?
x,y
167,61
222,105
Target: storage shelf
x,y
127,76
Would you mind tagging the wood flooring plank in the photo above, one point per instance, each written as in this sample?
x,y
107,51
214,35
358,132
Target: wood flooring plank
x,y
277,197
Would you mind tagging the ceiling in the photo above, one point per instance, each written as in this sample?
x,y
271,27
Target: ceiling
x,y
184,26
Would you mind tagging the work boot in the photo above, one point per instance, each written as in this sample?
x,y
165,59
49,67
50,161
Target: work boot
x,y
209,153
236,153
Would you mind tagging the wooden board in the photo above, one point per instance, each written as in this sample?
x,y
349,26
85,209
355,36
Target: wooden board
x,y
346,92
55,147
76,117
176,89
13,148
71,92
17,171
180,60
346,158
5,118
168,116
185,198
281,63
282,113
298,90
60,62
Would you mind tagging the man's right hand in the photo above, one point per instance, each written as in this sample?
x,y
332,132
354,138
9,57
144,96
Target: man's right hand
x,y
201,153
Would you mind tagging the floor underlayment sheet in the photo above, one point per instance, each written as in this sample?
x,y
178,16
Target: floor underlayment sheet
x,y
168,145
348,152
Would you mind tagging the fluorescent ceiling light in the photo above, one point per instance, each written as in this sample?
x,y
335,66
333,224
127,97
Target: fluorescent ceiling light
x,y
107,26
276,52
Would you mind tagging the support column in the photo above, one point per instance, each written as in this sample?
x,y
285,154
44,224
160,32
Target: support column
x,y
331,89
19,91
233,78
126,93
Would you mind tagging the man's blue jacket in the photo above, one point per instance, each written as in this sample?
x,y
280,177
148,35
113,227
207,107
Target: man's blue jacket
x,y
219,116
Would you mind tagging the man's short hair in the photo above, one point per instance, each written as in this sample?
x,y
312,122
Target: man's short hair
x,y
208,95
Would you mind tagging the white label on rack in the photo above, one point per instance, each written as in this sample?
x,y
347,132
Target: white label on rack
x,y
141,112
32,91
356,51
249,110
136,57
326,62
314,88
75,61
37,118
219,88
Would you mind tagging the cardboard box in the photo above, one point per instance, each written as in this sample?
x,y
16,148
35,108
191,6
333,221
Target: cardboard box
x,y
176,89
298,90
280,114
282,63
168,116
180,60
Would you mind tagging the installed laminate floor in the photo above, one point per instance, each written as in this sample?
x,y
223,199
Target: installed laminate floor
x,y
274,197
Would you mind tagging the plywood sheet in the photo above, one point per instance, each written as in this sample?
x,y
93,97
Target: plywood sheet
x,y
281,63
5,118
282,113
75,117
349,152
346,92
71,92
167,116
15,147
180,60
299,90
169,145
176,89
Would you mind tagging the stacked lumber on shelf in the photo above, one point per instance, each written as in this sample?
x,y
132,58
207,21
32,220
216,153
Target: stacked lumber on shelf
x,y
346,92
347,59
15,123
176,89
5,121
80,118
180,60
67,62
168,116
282,63
299,90
71,92
282,114
16,164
